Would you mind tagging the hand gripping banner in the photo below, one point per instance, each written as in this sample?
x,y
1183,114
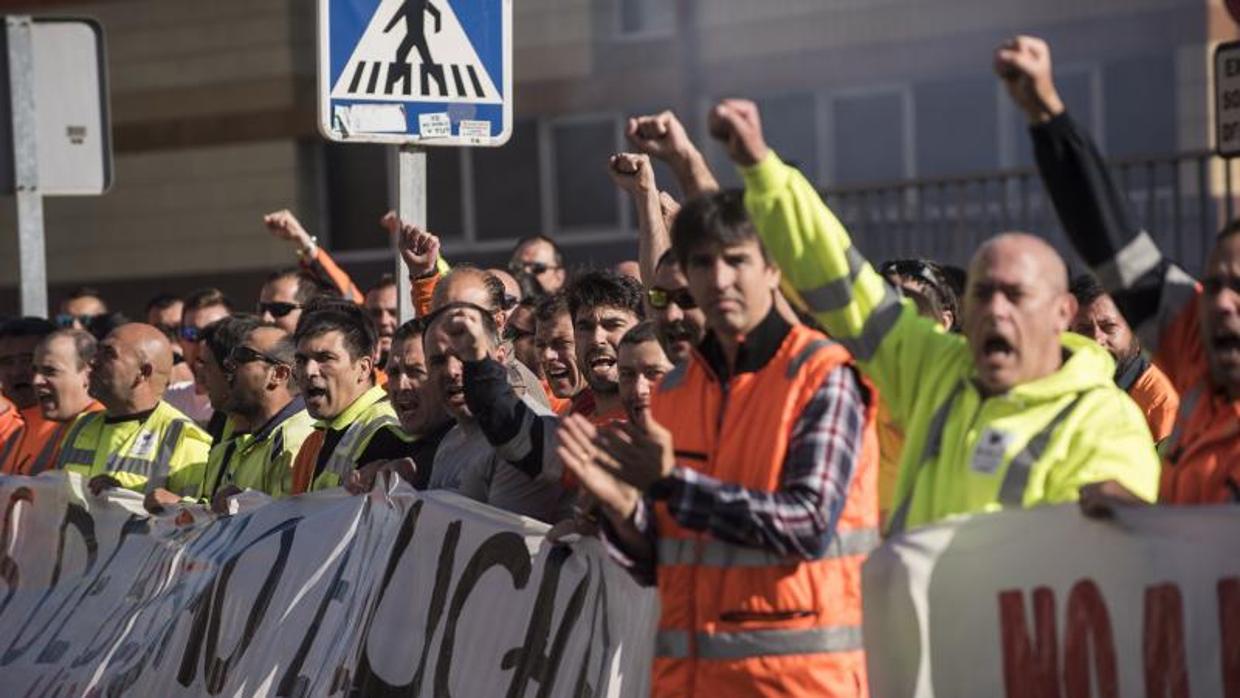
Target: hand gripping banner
x,y
395,593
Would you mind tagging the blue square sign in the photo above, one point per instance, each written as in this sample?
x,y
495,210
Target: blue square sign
x,y
430,72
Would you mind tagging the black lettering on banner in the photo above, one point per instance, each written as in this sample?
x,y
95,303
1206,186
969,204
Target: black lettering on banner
x,y
599,611
210,606
77,517
9,571
505,549
530,661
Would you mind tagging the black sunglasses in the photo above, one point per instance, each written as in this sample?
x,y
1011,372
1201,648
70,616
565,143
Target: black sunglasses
x,y
66,319
276,308
532,268
190,334
660,298
243,355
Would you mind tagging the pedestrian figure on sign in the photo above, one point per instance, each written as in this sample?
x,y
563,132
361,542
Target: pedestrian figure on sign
x,y
415,29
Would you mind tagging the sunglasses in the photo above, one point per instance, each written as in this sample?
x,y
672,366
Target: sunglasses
x,y
190,334
510,301
276,308
67,320
660,298
532,268
245,355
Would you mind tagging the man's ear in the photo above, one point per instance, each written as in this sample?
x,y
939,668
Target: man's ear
x,y
1066,311
773,275
368,367
280,375
500,354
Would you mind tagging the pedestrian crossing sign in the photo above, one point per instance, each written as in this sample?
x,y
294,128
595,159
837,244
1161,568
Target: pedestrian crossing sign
x,y
430,72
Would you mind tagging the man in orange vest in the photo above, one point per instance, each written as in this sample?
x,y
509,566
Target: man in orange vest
x,y
750,488
18,340
61,369
1192,329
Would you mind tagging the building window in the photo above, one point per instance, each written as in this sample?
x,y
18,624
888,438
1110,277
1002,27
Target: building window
x,y
868,138
507,186
957,126
790,125
443,192
585,197
1141,87
357,186
640,19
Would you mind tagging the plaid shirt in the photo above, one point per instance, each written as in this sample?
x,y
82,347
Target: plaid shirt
x,y
798,518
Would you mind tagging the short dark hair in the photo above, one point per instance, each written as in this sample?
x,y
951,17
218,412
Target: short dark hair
x,y
1086,289
550,306
283,350
226,334
930,275
1228,230
640,333
408,330
84,344
162,301
102,325
338,315
717,219
309,286
530,239
605,288
207,298
84,292
386,280
28,326
488,320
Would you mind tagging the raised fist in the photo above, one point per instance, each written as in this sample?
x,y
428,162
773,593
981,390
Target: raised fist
x,y
284,225
661,136
736,124
632,172
1024,65
467,334
418,248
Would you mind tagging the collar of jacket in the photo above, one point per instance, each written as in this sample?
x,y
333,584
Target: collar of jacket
x,y
756,349
292,408
1129,370
351,413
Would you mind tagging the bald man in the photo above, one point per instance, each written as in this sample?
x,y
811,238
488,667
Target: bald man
x,y
139,442
1018,412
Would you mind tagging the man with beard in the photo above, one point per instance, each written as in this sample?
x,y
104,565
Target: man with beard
x,y
1099,319
271,419
680,324
334,364
139,442
603,305
461,340
419,408
1015,413
61,383
1192,329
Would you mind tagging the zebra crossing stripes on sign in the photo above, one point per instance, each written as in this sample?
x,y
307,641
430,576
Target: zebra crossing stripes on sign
x,y
387,68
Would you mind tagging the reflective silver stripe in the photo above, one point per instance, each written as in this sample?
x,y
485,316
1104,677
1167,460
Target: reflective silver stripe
x,y
806,354
930,451
344,459
80,456
836,294
877,326
70,453
674,644
673,378
717,553
1016,479
1178,290
44,459
159,469
130,464
1188,403
1136,259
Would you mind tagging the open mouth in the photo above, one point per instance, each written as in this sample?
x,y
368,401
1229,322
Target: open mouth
x,y
996,346
1226,342
315,394
455,394
406,402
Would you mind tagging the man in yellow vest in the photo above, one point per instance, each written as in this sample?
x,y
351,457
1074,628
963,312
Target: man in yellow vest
x,y
757,462
61,383
1016,412
355,423
138,442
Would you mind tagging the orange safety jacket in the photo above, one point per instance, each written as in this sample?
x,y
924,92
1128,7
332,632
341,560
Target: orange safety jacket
x,y
1158,400
1201,458
10,421
740,620
35,446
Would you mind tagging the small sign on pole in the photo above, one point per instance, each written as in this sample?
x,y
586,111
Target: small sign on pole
x,y
1227,99
415,73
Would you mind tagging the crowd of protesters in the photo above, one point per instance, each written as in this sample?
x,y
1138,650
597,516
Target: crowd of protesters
x,y
740,414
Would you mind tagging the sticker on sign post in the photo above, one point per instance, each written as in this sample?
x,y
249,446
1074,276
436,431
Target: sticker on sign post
x,y
438,59
1227,99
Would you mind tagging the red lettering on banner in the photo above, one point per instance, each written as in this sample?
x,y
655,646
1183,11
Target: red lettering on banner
x,y
1029,671
1166,668
1229,633
1088,624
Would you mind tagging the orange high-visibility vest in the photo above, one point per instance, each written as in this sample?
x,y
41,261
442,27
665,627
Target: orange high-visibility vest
x,y
35,447
743,621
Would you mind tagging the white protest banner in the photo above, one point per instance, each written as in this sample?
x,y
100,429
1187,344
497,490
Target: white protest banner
x,y
392,593
1046,603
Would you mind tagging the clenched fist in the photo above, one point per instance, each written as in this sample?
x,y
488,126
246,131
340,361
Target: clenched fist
x,y
1024,65
632,172
737,124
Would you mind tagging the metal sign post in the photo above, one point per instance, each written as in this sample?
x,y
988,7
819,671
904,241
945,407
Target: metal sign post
x,y
415,73
30,245
411,207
